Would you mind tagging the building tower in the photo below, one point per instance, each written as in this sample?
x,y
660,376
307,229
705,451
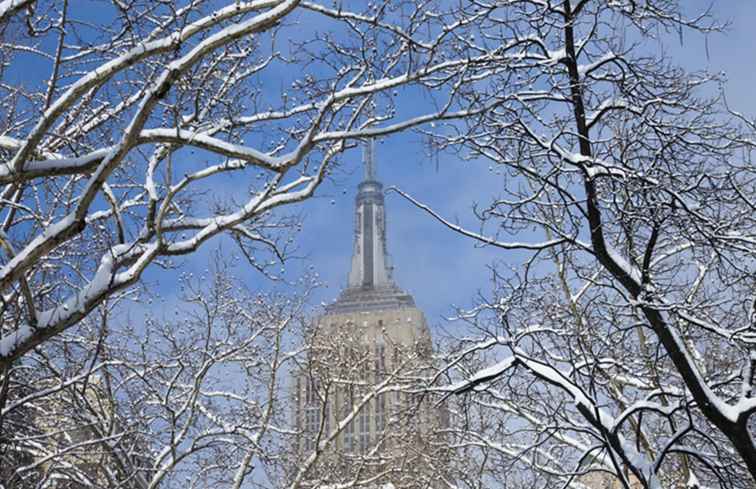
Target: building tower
x,y
359,403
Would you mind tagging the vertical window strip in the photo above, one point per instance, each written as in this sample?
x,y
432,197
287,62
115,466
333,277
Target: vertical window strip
x,y
364,427
380,413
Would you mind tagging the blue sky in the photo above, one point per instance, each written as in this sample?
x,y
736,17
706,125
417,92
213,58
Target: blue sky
x,y
440,269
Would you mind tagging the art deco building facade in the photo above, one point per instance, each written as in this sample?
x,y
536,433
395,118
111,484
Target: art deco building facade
x,y
360,401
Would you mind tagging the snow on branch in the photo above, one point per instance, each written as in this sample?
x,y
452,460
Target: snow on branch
x,y
477,236
605,425
132,184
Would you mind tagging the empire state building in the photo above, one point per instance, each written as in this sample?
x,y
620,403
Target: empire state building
x,y
360,409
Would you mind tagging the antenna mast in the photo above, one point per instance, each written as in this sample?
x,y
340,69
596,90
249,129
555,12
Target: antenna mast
x,y
369,159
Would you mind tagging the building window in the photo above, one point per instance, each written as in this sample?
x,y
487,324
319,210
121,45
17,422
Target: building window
x,y
311,393
398,402
312,406
348,434
312,426
327,420
380,412
349,437
363,420
380,362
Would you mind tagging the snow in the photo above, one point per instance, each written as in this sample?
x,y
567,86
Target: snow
x,y
630,269
8,6
513,245
489,373
594,414
14,338
8,142
346,485
584,69
78,303
106,71
692,480
214,144
36,244
554,57
593,167
556,377
608,104
731,413
60,165
643,405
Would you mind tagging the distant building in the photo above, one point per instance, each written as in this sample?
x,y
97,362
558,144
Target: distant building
x,y
373,336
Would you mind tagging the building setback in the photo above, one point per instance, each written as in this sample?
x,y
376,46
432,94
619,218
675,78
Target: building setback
x,y
359,398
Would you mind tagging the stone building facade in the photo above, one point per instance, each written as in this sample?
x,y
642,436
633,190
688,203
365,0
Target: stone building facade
x,y
359,400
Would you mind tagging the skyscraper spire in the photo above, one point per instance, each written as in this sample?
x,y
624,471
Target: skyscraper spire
x,y
370,285
370,261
